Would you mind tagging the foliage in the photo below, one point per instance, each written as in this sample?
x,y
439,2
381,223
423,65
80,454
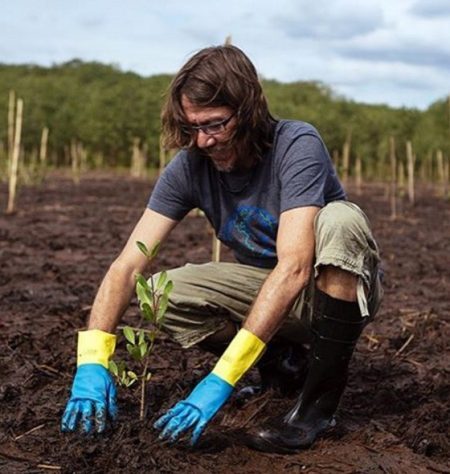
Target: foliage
x,y
153,300
105,109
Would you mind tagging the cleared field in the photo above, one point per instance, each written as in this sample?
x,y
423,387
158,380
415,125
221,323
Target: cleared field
x,y
394,416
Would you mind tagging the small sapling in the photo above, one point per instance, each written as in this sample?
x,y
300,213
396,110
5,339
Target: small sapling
x,y
153,298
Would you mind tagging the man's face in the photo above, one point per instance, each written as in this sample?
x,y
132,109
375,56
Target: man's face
x,y
211,132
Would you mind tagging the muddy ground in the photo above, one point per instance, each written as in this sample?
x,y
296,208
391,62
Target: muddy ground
x,y
394,416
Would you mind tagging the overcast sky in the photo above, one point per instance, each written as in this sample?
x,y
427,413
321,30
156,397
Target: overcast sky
x,y
376,51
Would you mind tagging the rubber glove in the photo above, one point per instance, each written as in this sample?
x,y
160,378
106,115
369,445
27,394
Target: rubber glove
x,y
197,410
93,396
93,399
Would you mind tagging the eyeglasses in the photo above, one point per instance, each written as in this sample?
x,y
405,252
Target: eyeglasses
x,y
212,128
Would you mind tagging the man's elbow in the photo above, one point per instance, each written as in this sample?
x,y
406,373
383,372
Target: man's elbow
x,y
297,273
122,270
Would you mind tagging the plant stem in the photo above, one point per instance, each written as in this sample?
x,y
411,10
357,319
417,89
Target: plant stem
x,y
143,383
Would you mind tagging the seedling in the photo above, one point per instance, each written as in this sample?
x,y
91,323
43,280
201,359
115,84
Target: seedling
x,y
153,298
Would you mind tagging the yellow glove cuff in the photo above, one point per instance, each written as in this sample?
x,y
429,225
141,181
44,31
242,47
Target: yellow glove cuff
x,y
95,347
243,351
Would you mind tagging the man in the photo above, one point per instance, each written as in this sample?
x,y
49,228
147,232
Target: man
x,y
308,262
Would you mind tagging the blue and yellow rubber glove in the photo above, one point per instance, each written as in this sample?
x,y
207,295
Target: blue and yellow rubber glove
x,y
197,410
93,396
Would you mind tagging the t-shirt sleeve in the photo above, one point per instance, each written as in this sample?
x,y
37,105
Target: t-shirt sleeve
x,y
304,169
172,195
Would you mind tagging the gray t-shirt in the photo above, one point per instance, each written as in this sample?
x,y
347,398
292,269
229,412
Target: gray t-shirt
x,y
244,208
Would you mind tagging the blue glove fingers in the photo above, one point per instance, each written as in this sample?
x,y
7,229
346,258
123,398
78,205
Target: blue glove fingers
x,y
190,420
112,402
178,422
71,416
198,430
87,415
100,417
161,422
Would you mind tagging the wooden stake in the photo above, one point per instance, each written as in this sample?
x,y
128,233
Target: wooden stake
x,y
446,176
393,160
358,175
11,113
75,161
15,157
401,179
346,157
43,149
135,155
442,169
215,255
410,171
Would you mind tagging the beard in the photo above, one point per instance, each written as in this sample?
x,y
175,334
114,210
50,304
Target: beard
x,y
222,156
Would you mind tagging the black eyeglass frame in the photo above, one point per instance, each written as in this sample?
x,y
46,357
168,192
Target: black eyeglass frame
x,y
191,129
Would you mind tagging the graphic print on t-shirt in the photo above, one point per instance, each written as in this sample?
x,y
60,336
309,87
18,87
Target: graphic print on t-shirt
x,y
252,230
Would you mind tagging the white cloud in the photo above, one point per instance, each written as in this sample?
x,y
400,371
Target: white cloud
x,y
431,8
376,51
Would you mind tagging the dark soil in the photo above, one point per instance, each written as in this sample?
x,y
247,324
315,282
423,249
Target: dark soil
x,y
394,416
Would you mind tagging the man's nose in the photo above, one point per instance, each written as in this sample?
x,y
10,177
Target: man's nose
x,y
204,140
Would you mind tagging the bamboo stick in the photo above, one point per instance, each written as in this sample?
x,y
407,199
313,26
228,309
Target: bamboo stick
x,y
446,176
11,118
346,157
393,160
440,165
15,158
410,172
442,169
401,179
75,161
135,168
43,148
358,175
215,254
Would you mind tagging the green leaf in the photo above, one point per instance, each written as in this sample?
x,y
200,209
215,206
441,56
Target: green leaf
x,y
162,308
154,251
130,382
140,279
143,248
143,293
134,352
168,288
132,375
129,334
143,349
147,312
148,377
141,335
112,366
161,280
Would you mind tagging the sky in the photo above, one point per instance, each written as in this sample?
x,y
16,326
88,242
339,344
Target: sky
x,y
395,52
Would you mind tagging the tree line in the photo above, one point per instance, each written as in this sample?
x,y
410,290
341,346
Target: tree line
x,y
107,110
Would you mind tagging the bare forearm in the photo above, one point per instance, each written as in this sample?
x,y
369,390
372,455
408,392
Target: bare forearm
x,y
112,300
275,299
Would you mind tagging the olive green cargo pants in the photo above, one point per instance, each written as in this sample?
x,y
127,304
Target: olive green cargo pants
x,y
206,296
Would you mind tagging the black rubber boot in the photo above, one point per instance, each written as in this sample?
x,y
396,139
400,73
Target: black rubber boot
x,y
337,326
282,368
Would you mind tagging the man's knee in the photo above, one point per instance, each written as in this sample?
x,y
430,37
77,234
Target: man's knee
x,y
341,218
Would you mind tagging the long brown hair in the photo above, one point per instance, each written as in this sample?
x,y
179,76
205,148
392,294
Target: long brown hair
x,y
214,77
